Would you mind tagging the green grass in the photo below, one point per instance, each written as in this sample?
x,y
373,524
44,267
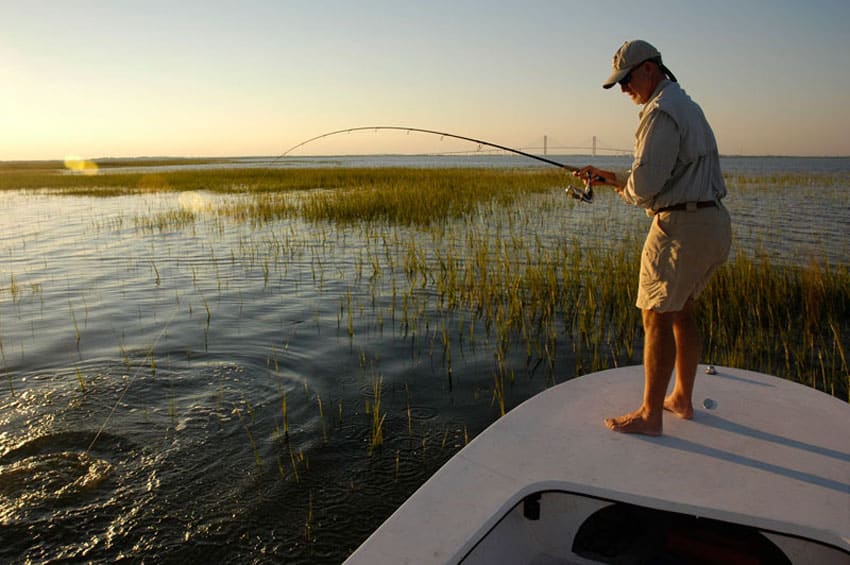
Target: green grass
x,y
462,266
447,230
341,195
784,320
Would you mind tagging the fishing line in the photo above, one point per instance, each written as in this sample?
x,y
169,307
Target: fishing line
x,y
585,195
432,132
129,384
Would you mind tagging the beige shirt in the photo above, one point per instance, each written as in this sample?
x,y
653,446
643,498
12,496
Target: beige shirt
x,y
676,158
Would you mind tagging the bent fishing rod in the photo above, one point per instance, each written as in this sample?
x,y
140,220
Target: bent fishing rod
x,y
585,195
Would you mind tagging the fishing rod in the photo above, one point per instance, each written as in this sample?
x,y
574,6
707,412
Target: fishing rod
x,y
585,195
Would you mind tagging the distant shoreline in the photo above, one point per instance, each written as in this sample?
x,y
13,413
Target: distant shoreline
x,y
146,161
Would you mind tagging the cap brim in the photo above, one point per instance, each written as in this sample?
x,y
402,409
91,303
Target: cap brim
x,y
615,77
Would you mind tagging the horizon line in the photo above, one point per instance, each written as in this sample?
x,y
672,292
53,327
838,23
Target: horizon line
x,y
492,153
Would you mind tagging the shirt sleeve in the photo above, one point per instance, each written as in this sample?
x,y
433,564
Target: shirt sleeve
x,y
656,151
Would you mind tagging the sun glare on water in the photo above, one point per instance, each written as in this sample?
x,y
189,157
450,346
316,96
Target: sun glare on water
x,y
80,165
194,202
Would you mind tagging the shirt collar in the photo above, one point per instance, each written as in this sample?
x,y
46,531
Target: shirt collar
x,y
661,86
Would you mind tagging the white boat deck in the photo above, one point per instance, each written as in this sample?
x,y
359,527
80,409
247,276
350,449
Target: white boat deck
x,y
771,454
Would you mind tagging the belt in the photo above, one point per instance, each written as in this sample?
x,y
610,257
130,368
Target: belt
x,y
688,206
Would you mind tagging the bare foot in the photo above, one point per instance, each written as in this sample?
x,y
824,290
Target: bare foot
x,y
635,423
684,409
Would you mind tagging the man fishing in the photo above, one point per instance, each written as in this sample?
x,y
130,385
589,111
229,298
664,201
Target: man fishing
x,y
676,178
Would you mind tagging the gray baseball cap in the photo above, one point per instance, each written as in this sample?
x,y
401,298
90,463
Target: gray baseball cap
x,y
630,55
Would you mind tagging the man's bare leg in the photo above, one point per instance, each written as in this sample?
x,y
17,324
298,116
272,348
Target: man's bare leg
x,y
659,357
688,350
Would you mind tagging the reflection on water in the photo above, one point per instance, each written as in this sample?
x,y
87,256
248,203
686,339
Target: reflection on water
x,y
49,478
207,390
195,202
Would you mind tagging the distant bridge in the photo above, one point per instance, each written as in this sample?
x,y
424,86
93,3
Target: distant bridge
x,y
595,147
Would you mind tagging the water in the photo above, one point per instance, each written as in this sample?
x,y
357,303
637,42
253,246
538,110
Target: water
x,y
145,371
488,159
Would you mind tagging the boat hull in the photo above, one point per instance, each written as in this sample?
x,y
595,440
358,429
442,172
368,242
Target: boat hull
x,y
761,453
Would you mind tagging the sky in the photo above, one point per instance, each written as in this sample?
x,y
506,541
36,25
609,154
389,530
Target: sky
x,y
127,78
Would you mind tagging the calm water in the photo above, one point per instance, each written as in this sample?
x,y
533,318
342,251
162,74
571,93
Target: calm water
x,y
733,165
205,393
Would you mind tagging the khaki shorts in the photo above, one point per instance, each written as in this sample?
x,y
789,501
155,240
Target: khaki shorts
x,y
682,250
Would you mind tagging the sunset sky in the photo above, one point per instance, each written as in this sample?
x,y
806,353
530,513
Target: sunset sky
x,y
255,77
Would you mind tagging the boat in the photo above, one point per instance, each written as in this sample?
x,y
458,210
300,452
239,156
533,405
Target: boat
x,y
761,474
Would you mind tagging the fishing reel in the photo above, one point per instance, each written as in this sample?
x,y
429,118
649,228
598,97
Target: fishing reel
x,y
585,195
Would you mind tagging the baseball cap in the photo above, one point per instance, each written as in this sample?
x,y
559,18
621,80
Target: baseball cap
x,y
631,54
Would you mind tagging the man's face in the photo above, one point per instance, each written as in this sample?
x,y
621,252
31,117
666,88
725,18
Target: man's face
x,y
638,84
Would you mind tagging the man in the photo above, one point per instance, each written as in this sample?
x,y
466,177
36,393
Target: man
x,y
676,178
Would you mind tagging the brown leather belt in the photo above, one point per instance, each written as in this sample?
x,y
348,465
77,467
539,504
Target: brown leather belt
x,y
685,205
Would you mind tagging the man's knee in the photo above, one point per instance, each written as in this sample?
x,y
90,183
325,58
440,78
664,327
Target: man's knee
x,y
678,322
653,320
686,314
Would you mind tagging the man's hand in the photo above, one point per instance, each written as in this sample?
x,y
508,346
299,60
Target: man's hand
x,y
600,176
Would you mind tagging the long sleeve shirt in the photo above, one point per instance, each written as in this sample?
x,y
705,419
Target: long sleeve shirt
x,y
676,158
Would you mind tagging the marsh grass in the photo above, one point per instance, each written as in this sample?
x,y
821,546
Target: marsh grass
x,y
440,239
258,460
449,193
438,271
456,262
790,321
377,415
773,181
341,195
